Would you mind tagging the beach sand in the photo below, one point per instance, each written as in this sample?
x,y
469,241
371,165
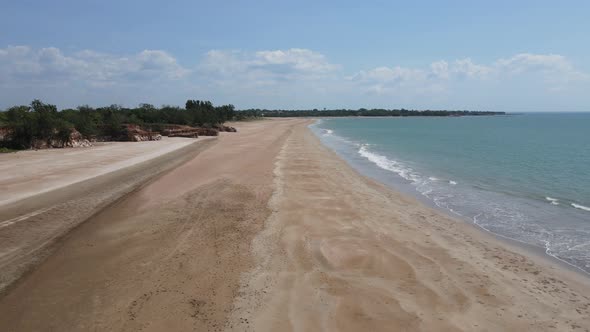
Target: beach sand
x,y
29,173
46,193
268,230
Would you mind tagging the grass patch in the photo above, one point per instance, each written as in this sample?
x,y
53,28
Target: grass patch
x,y
7,150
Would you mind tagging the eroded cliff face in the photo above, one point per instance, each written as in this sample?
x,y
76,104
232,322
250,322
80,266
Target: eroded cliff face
x,y
128,132
135,133
5,133
74,140
226,128
188,131
180,131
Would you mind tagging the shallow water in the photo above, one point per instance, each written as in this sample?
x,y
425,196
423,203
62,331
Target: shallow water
x,y
524,177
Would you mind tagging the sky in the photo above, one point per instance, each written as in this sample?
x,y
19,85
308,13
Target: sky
x,y
479,55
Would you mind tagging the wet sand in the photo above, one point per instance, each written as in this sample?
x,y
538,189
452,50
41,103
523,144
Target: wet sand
x,y
268,230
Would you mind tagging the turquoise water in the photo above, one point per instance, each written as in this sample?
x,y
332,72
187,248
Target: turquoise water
x,y
524,177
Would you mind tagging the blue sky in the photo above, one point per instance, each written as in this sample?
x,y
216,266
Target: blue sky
x,y
500,55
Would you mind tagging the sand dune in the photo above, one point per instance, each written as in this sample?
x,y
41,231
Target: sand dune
x,y
268,230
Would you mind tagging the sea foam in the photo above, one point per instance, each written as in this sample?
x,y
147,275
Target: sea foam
x,y
581,207
519,213
387,164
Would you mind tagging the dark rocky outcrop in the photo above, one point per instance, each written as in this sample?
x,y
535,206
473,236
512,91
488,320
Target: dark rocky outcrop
x,y
188,131
207,131
225,128
180,131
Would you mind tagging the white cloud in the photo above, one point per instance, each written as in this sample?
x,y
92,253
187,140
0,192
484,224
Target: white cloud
x,y
17,60
555,69
159,63
288,78
466,67
266,67
395,75
51,66
525,61
440,69
302,60
385,80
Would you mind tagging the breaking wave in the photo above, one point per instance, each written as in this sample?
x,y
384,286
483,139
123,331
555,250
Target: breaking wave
x,y
581,207
388,164
520,218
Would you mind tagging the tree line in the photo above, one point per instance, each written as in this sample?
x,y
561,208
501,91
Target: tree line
x,y
21,125
40,121
367,112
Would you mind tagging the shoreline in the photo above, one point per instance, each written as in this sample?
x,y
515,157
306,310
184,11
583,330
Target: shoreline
x,y
535,250
330,260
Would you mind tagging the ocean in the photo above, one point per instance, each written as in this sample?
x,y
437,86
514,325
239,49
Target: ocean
x,y
523,177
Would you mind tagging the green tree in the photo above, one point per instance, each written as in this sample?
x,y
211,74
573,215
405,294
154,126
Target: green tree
x,y
111,121
23,123
47,118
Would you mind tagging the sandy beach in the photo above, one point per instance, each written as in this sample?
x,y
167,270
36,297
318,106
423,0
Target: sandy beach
x,y
262,230
47,193
26,174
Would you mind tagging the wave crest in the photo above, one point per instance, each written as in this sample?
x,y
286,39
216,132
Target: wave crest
x,y
581,207
387,164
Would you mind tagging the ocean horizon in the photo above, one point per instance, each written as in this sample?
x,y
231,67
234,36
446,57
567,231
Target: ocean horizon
x,y
522,176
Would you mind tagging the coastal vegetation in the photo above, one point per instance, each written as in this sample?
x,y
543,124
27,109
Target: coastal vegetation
x,y
24,126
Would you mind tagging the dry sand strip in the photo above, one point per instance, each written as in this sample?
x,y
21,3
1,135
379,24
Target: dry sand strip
x,y
342,253
73,185
30,173
270,231
167,257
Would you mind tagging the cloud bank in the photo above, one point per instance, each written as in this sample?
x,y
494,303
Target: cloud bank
x,y
554,69
21,64
264,68
289,78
